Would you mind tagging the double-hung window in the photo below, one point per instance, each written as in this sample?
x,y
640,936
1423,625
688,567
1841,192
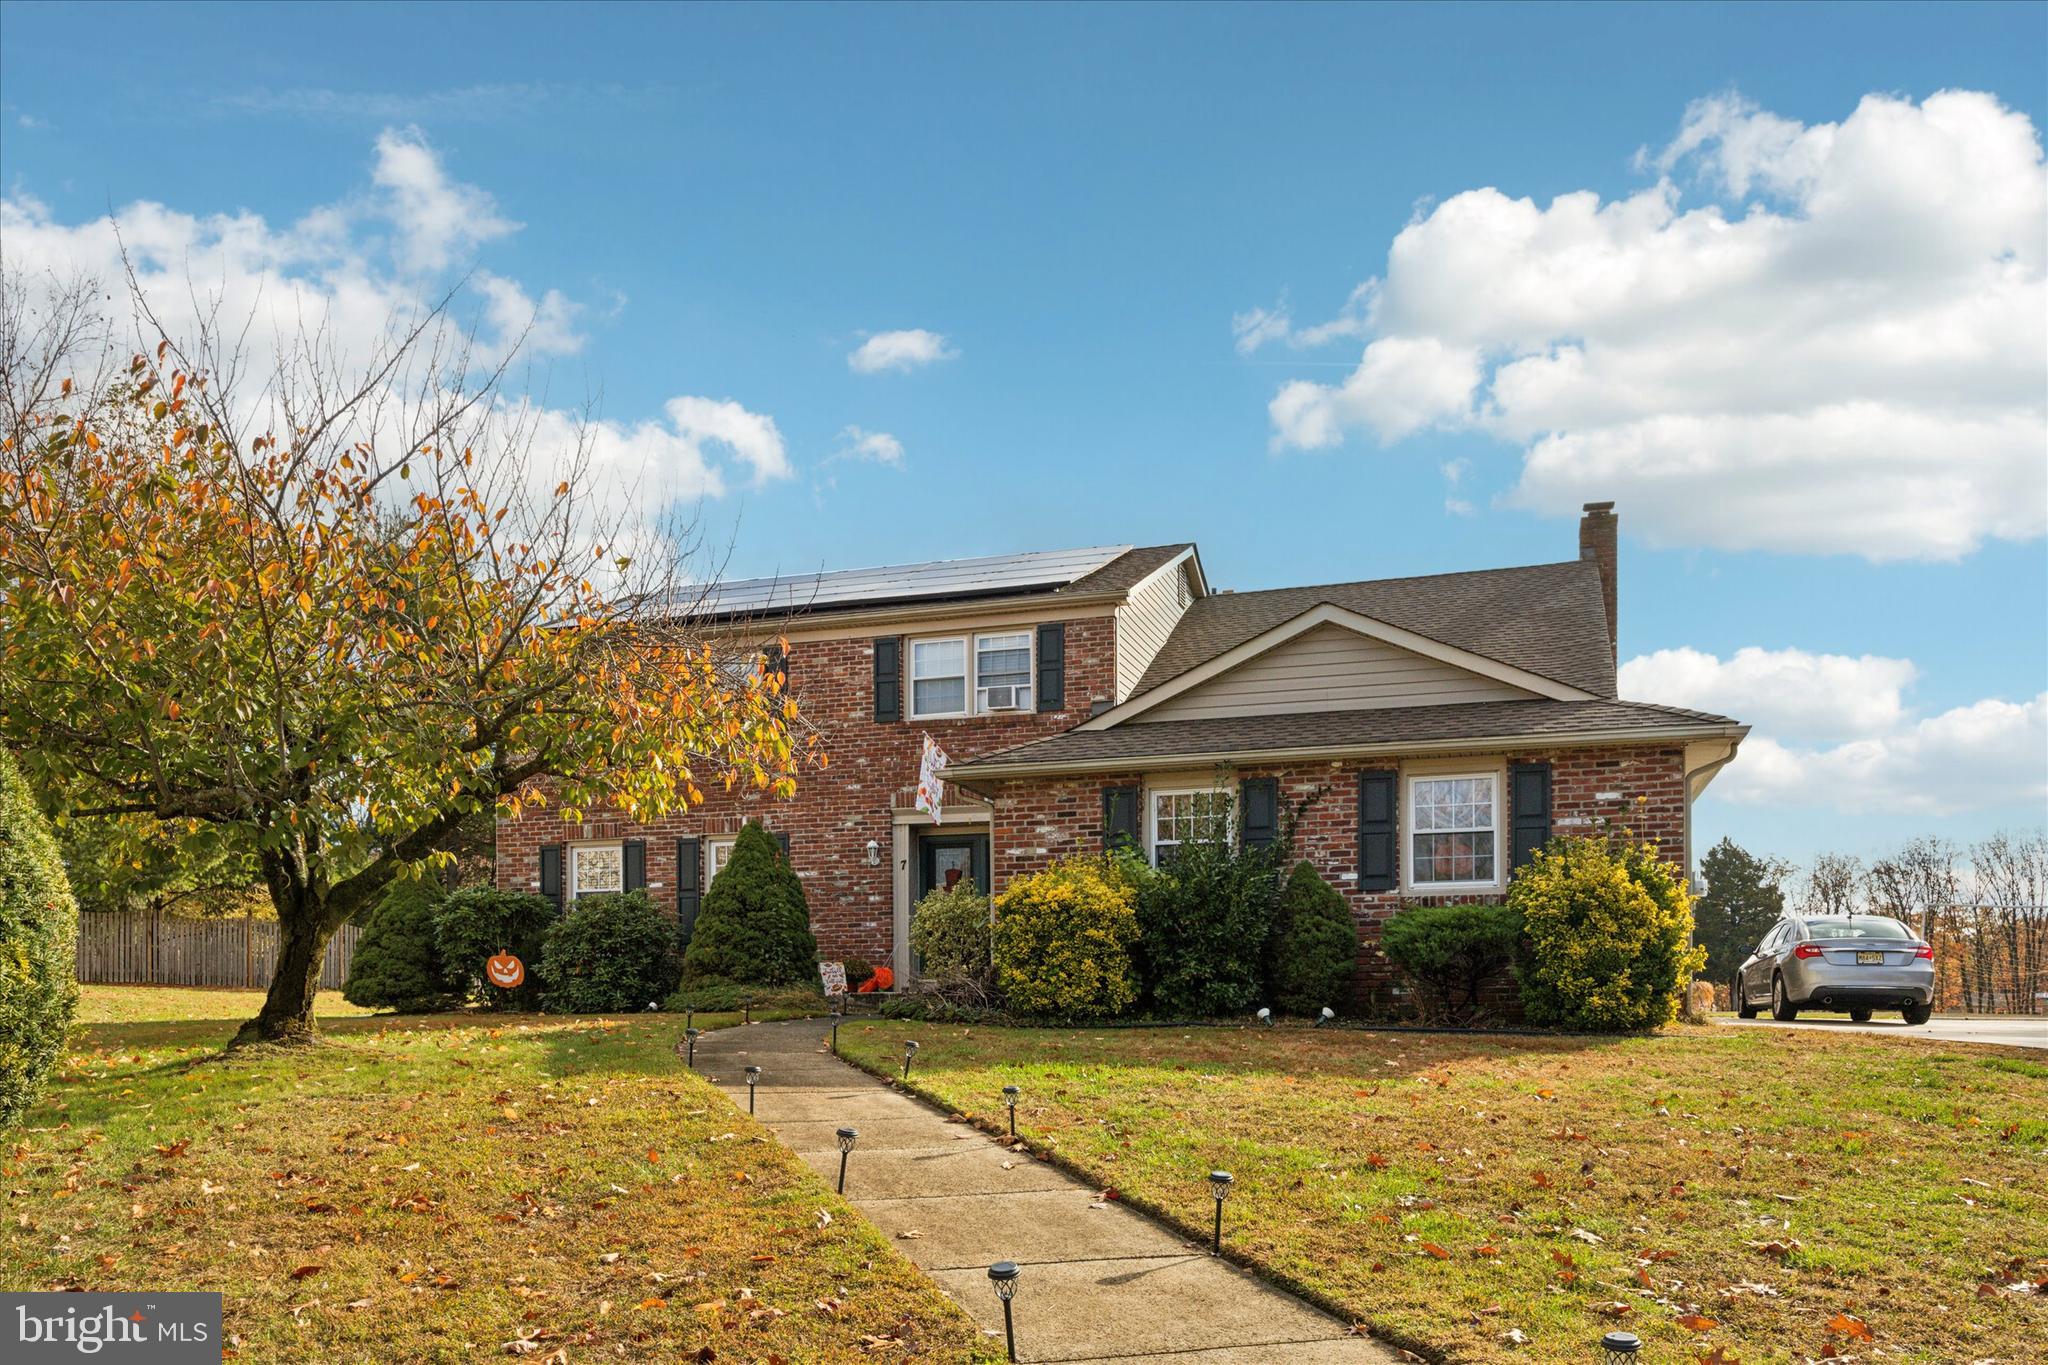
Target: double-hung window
x,y
595,868
716,851
965,675
1180,817
1454,831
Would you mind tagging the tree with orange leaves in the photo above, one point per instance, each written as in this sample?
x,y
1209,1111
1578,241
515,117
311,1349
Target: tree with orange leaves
x,y
330,623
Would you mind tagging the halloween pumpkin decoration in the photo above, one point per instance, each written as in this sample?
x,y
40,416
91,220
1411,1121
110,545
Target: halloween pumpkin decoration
x,y
504,970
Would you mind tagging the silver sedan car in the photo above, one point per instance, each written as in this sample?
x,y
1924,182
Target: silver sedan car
x,y
1857,963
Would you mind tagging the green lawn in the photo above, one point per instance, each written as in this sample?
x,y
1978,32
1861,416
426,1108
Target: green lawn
x,y
433,1189
1771,1193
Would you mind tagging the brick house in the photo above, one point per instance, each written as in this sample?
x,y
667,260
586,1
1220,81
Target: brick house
x,y
1424,733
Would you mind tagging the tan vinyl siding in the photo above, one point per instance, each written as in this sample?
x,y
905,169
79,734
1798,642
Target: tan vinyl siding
x,y
1330,669
1144,622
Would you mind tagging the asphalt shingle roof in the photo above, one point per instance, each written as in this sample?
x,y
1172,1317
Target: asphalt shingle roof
x,y
1128,569
1549,619
1340,730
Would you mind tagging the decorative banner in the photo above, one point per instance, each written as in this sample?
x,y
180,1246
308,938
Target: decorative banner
x,y
834,974
505,970
931,787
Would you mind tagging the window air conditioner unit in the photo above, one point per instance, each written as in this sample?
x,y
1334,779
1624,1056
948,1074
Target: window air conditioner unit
x,y
1010,698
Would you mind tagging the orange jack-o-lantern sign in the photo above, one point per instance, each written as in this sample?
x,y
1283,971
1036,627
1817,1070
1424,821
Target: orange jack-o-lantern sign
x,y
505,970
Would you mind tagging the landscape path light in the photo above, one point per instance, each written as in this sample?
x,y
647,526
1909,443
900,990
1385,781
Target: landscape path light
x,y
909,1051
690,1035
753,1079
1010,1094
1620,1348
1219,1190
1003,1275
847,1137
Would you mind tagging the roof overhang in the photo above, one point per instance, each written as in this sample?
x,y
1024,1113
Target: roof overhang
x,y
1325,614
1337,753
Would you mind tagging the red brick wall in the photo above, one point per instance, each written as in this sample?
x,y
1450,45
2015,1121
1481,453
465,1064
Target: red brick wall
x,y
1040,820
872,771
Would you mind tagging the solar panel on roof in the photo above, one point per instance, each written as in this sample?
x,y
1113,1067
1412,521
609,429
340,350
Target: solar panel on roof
x,y
891,583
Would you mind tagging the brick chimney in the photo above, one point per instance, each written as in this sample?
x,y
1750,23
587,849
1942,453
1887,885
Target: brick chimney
x,y
1596,542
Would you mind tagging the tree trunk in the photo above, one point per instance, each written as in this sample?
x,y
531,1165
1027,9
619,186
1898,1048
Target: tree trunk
x,y
303,929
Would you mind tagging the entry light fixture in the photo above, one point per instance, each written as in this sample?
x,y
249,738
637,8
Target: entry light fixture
x,y
874,853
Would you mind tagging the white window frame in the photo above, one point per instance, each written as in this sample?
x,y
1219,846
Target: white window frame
x,y
970,646
1408,831
1152,798
717,849
576,851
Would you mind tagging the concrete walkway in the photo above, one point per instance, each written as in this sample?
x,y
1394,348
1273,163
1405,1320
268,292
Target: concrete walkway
x,y
1100,1282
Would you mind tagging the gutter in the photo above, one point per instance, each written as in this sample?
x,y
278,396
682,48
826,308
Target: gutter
x,y
1125,763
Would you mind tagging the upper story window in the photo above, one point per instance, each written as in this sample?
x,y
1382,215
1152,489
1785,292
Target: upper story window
x,y
595,868
987,673
1453,831
1186,816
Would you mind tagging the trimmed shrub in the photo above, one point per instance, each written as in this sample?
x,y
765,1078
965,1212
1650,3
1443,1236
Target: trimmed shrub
x,y
712,996
1062,941
478,921
609,953
1205,920
398,963
754,925
1315,944
1605,928
950,931
1449,951
38,946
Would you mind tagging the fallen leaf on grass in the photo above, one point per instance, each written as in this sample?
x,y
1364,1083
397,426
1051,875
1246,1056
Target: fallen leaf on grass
x,y
1589,1238
1515,1336
909,1233
1841,1324
1614,1308
1433,1249
303,1271
1694,1322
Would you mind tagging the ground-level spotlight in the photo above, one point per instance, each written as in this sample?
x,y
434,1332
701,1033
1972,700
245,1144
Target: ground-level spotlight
x,y
1326,1016
1010,1094
909,1052
1219,1190
1265,1016
1003,1276
1620,1348
753,1079
690,1035
847,1137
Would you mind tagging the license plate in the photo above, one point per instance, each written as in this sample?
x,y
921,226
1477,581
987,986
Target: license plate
x,y
1869,959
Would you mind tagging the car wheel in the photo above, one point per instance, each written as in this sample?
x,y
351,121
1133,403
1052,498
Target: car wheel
x,y
1743,1009
1860,1016
1782,1008
1918,1014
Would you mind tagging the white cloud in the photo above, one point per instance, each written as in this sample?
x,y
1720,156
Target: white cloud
x,y
877,446
1835,732
905,350
1846,356
345,272
1259,326
438,219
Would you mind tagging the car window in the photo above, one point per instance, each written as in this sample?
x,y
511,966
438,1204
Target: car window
x,y
1775,939
1862,926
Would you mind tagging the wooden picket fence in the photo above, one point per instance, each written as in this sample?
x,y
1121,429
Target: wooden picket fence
x,y
140,948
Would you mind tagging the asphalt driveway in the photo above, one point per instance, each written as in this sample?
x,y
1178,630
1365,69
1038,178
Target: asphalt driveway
x,y
2007,1031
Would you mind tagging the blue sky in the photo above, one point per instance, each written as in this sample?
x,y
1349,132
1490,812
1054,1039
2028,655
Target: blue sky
x,y
1094,207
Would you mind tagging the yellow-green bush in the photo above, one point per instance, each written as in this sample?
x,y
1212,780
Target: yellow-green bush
x,y
1063,940
1605,932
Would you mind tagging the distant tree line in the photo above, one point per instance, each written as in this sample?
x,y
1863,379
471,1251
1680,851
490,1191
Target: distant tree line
x,y
1984,907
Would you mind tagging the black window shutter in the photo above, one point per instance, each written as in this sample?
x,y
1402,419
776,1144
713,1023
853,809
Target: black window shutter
x,y
636,864
778,665
551,872
1120,817
1529,809
1259,821
1378,792
1052,666
689,888
782,841
889,678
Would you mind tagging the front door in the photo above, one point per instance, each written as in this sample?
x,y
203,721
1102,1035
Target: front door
x,y
945,860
